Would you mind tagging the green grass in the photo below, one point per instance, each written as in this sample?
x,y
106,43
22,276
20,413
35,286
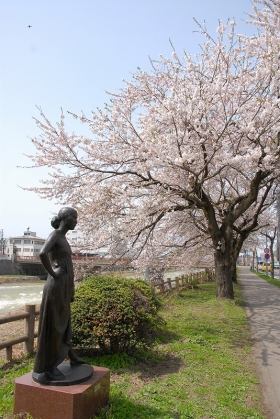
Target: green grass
x,y
8,372
200,368
18,278
267,278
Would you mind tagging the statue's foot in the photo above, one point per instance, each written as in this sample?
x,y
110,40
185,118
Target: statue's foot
x,y
74,361
55,374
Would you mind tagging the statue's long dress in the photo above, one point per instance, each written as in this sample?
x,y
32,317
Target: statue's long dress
x,y
54,332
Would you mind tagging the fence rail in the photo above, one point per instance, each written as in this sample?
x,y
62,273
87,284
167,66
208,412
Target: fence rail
x,y
161,286
189,280
29,330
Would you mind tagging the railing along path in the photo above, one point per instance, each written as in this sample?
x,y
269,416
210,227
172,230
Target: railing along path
x,y
188,280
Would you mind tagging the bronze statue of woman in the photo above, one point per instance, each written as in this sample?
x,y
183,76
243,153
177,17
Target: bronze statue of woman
x,y
54,332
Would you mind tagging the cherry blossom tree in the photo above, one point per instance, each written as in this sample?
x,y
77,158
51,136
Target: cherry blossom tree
x,y
183,160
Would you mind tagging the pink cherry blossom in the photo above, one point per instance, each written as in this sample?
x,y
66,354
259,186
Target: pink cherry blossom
x,y
185,160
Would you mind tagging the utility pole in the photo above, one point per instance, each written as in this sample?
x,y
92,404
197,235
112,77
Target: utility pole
x,y
257,260
2,241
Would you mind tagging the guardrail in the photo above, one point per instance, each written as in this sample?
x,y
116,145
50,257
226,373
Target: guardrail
x,y
29,330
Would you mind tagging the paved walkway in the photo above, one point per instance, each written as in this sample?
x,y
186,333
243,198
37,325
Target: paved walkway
x,y
263,311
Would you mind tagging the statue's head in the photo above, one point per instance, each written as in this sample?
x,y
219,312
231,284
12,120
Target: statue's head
x,y
68,215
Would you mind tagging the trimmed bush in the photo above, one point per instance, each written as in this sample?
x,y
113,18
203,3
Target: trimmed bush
x,y
116,314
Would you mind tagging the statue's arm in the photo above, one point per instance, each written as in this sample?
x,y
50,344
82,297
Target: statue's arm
x,y
48,246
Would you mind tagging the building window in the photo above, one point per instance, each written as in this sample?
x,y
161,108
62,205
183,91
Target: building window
x,y
18,249
27,241
38,242
17,241
26,250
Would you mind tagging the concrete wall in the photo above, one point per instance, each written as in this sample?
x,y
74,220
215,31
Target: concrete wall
x,y
33,269
7,267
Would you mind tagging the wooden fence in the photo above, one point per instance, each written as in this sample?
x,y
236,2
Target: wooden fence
x,y
162,286
29,330
184,281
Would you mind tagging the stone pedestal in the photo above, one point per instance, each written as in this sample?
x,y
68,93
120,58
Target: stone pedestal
x,y
79,401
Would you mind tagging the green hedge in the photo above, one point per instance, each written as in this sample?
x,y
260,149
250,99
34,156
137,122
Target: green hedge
x,y
114,314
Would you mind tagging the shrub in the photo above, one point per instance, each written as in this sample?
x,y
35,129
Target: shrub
x,y
116,314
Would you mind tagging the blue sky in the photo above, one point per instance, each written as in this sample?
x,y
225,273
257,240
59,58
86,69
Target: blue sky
x,y
74,51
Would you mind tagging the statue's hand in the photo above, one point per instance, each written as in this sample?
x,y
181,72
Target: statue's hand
x,y
59,272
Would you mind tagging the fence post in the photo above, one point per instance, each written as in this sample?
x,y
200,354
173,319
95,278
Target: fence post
x,y
169,283
9,353
177,279
161,285
29,328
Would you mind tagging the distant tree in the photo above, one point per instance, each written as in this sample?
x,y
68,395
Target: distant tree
x,y
268,234
183,160
271,236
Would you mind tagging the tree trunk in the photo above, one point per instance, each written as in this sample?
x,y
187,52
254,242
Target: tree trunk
x,y
224,273
233,274
233,268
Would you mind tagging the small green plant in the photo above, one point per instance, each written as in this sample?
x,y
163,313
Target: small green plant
x,y
116,314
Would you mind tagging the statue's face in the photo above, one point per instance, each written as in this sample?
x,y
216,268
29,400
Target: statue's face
x,y
71,220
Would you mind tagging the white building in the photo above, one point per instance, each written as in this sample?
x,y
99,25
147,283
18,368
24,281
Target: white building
x,y
77,243
27,245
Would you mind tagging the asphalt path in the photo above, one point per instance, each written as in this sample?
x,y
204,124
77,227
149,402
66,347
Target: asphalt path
x,y
263,310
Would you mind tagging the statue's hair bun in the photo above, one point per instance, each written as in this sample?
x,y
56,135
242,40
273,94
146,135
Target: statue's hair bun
x,y
62,214
55,222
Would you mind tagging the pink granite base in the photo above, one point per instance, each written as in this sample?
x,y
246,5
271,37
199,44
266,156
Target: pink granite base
x,y
79,401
